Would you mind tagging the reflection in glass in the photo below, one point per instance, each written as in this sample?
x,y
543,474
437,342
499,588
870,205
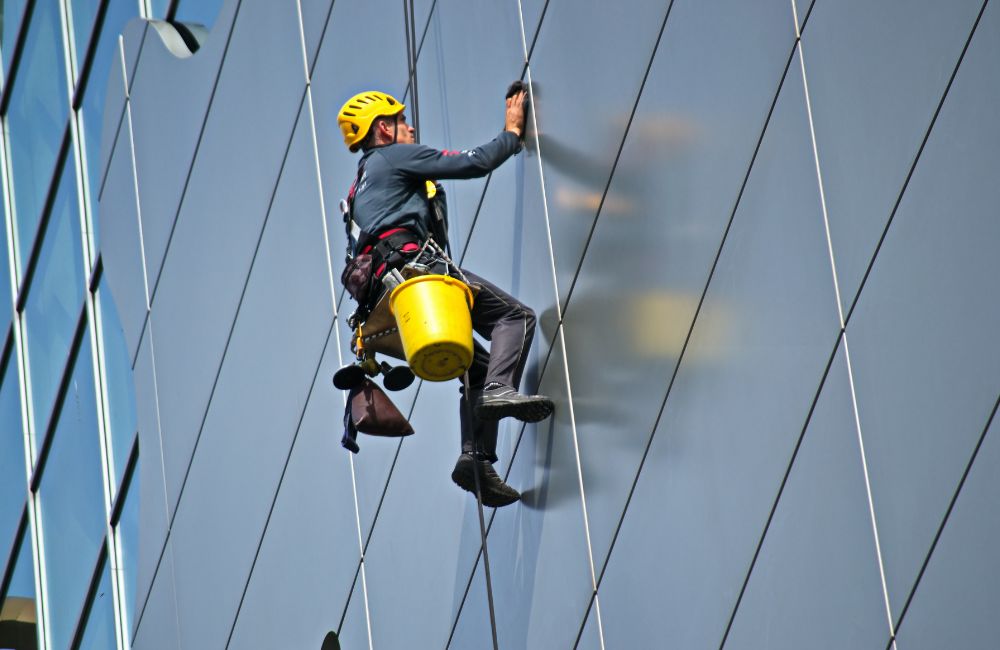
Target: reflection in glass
x,y
72,501
128,542
13,478
99,633
13,10
54,301
18,628
36,120
84,12
118,381
118,13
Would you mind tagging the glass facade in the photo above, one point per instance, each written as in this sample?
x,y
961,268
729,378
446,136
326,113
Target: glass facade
x,y
758,238
68,446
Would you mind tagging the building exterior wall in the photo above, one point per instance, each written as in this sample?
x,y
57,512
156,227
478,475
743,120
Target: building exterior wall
x,y
759,240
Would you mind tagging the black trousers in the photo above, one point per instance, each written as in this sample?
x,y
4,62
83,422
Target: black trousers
x,y
509,326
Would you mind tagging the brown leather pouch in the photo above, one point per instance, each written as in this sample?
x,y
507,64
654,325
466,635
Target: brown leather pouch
x,y
357,277
374,413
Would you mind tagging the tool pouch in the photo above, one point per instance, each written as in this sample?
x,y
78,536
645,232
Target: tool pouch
x,y
369,410
357,277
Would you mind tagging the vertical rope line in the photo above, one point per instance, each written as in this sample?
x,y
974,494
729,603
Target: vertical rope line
x,y
467,401
413,71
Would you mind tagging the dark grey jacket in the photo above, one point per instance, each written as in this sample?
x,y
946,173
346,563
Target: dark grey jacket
x,y
391,189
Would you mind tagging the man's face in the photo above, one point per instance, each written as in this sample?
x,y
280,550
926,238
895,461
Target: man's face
x,y
404,132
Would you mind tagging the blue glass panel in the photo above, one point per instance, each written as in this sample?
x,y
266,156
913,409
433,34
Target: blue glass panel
x,y
54,301
590,637
954,604
473,630
99,633
158,626
72,501
118,13
539,546
355,633
923,334
13,11
18,606
306,565
36,121
119,384
679,176
817,574
13,478
201,12
873,95
84,12
158,9
128,542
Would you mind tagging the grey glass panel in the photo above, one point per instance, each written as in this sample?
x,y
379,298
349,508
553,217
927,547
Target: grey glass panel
x,y
873,96
13,13
257,405
201,12
817,575
958,593
354,632
19,602
314,22
13,478
169,104
462,97
36,121
152,495
443,518
590,637
55,300
158,627
121,248
307,561
99,630
531,14
473,629
119,385
538,548
334,83
741,397
676,185
128,541
578,43
923,336
226,202
83,12
72,501
105,68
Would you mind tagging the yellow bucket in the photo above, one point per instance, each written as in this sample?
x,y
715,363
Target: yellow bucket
x,y
435,324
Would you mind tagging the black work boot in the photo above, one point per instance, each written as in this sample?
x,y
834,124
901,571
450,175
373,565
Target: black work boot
x,y
504,401
495,492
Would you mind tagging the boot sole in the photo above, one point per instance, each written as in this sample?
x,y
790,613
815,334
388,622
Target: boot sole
x,y
523,410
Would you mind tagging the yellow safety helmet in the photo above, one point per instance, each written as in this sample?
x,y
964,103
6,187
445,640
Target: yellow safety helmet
x,y
358,113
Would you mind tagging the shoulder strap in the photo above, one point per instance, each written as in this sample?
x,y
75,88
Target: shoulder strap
x,y
351,228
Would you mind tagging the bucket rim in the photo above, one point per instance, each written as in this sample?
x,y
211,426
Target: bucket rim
x,y
437,277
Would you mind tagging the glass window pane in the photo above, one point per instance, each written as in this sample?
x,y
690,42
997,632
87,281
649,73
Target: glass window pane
x,y
18,627
84,12
118,13
36,120
99,633
54,302
128,542
158,9
13,478
13,11
118,382
72,501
